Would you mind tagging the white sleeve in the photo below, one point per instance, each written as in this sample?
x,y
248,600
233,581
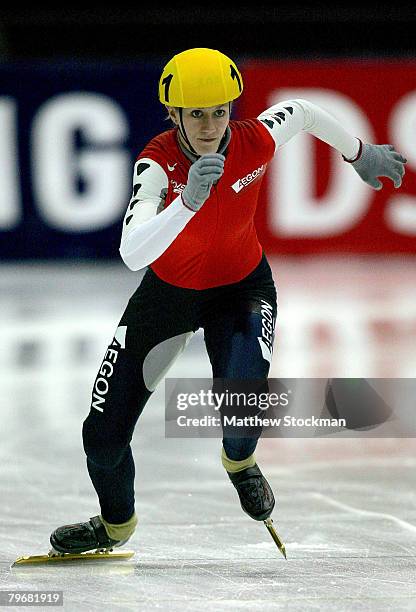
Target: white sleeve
x,y
286,119
147,229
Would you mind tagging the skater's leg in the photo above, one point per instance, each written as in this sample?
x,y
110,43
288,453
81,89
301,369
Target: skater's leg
x,y
146,343
238,352
108,430
109,427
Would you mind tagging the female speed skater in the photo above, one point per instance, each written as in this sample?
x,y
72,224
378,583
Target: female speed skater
x,y
190,221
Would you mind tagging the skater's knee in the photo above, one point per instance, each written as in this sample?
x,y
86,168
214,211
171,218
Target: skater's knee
x,y
105,458
104,451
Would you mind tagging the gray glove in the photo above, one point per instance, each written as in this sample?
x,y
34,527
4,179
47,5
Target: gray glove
x,y
379,160
201,176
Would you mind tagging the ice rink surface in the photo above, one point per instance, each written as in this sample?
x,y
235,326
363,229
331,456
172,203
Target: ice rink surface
x,y
346,508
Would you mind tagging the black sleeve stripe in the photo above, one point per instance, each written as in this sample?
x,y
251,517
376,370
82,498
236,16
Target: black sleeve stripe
x,y
279,116
133,203
142,167
267,122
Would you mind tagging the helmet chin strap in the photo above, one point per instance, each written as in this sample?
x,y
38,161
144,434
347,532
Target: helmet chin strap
x,y
183,132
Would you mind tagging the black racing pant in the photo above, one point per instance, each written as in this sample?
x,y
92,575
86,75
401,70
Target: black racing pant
x,y
159,320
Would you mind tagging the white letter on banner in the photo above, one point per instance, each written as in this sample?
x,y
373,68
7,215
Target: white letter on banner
x,y
10,209
100,164
401,208
295,212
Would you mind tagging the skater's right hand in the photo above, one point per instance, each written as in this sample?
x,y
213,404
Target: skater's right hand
x,y
202,174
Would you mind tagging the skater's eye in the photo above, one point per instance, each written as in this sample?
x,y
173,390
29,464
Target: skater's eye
x,y
198,114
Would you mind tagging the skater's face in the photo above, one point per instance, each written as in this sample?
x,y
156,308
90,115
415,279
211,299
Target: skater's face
x,y
204,127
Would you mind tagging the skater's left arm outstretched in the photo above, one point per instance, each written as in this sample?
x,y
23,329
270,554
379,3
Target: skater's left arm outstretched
x,y
290,117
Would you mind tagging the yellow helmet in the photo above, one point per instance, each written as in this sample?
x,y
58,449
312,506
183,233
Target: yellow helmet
x,y
199,78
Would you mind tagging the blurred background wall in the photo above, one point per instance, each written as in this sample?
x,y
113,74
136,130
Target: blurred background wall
x,y
78,102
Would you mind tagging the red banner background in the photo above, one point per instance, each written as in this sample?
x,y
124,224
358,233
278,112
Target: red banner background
x,y
383,94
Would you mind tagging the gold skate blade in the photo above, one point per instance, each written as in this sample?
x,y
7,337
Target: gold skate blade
x,y
269,524
114,555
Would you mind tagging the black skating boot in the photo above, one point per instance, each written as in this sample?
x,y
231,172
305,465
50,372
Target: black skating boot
x,y
256,496
82,537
